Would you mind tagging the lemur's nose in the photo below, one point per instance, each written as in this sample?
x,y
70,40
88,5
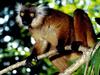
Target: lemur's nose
x,y
25,23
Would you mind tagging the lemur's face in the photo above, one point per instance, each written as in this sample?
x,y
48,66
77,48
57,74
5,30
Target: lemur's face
x,y
27,14
30,15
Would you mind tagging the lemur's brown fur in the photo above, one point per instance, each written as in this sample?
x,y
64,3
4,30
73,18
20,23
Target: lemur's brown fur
x,y
53,29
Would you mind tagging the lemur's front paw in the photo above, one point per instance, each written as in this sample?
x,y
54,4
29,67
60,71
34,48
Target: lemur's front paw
x,y
29,61
75,45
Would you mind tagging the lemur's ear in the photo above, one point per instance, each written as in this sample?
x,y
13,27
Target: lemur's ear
x,y
18,7
97,20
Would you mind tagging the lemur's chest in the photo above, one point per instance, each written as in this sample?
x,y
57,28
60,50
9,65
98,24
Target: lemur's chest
x,y
45,33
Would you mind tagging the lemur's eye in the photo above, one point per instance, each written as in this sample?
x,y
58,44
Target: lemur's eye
x,y
21,14
32,14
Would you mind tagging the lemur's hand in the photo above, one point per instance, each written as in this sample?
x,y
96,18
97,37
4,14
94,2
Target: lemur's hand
x,y
29,60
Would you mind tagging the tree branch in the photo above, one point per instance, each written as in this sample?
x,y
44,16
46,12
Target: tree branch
x,y
22,63
84,58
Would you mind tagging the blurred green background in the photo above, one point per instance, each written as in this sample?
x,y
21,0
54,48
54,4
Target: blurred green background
x,y
15,42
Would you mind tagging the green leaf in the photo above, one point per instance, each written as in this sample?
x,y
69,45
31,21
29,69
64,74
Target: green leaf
x,y
95,62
